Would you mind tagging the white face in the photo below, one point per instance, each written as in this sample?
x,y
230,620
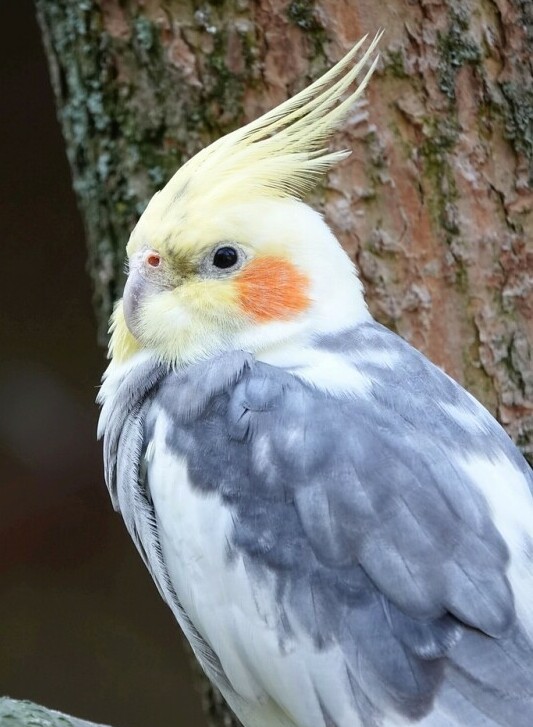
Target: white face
x,y
261,274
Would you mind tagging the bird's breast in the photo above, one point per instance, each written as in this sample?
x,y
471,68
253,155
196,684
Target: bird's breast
x,y
192,526
195,529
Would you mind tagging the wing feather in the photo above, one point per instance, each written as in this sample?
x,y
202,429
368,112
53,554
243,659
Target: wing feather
x,y
365,525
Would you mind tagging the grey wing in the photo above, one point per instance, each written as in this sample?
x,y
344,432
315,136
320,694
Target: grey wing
x,y
126,422
125,426
122,425
375,517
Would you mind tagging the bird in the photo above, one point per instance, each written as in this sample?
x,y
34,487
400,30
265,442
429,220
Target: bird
x,y
342,532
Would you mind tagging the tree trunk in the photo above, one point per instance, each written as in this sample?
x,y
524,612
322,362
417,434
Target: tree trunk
x,y
435,204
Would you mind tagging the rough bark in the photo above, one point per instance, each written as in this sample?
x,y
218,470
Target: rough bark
x,y
435,204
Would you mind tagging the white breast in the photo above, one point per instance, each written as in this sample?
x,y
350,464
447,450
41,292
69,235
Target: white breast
x,y
194,529
507,493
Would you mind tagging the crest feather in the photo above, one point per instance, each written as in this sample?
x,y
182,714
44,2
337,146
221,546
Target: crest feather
x,y
281,153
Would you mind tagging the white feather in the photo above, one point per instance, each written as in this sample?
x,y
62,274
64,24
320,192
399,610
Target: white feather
x,y
507,492
323,369
111,380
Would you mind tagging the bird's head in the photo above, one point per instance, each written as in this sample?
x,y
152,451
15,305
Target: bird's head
x,y
227,256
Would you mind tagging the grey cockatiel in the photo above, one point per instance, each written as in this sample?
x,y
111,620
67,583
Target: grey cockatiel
x,y
343,533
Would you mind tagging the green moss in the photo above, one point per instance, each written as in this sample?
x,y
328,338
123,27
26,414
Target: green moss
x,y
517,115
302,13
440,138
221,106
394,64
375,167
227,87
441,191
144,32
456,49
476,379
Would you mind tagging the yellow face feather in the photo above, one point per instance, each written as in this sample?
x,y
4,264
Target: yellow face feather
x,y
279,156
122,344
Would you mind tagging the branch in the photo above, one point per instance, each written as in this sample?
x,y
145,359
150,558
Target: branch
x,y
25,714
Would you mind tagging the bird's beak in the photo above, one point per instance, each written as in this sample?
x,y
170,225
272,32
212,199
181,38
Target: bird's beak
x,y
144,278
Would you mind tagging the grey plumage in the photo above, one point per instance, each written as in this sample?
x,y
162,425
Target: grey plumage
x,y
377,541
122,426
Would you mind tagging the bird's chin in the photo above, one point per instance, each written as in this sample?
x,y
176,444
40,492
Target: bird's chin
x,y
160,322
179,341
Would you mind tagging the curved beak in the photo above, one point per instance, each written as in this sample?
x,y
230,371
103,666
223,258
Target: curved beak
x,y
142,280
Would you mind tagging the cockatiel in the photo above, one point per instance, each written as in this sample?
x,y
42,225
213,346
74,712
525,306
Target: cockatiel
x,y
343,533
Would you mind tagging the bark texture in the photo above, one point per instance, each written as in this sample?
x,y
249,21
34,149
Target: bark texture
x,y
435,204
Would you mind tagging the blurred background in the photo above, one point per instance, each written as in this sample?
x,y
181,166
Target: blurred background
x,y
82,627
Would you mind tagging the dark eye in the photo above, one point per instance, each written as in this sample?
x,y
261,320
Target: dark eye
x,y
225,257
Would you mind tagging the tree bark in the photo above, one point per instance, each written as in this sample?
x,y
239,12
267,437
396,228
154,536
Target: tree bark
x,y
435,204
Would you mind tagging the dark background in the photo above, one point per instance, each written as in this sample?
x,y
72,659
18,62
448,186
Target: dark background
x,y
82,627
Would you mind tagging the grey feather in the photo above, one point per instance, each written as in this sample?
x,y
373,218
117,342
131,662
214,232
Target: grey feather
x,y
378,542
123,426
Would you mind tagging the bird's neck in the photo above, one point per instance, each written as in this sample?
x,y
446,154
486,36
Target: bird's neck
x,y
295,346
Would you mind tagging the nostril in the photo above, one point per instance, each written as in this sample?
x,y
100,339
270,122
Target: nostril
x,y
153,259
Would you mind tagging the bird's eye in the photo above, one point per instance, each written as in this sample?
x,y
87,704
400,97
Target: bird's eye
x,y
225,257
153,259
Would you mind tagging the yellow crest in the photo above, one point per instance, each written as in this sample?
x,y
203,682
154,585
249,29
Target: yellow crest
x,y
280,154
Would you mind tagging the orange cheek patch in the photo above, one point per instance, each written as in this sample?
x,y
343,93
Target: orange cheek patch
x,y
271,288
